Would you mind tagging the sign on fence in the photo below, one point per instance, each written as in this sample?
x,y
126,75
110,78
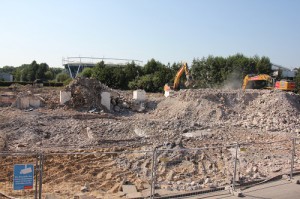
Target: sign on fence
x,y
23,176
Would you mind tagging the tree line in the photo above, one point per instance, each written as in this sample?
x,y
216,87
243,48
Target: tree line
x,y
207,72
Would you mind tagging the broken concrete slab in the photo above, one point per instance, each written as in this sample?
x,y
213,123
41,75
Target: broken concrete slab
x,y
105,100
129,189
7,98
139,95
134,195
64,97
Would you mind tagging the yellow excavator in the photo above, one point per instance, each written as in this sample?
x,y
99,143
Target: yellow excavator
x,y
183,68
263,81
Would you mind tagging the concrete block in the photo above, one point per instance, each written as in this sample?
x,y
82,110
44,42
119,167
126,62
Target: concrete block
x,y
237,193
129,189
169,93
34,102
139,95
22,102
134,195
64,97
105,100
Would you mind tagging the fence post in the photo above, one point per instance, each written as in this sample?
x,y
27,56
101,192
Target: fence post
x,y
293,157
235,165
153,173
36,175
41,175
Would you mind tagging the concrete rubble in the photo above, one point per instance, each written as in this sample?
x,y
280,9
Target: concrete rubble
x,y
175,126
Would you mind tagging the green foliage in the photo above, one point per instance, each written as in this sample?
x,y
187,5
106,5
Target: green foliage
x,y
297,80
67,81
156,76
8,69
207,72
214,71
87,72
31,72
61,77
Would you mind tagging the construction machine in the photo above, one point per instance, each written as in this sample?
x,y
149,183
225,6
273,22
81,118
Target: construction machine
x,y
183,68
285,85
263,81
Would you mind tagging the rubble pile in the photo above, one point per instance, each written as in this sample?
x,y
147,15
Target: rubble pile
x,y
263,110
86,95
187,119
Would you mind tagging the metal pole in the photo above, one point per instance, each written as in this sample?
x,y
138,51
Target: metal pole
x,y
36,175
293,156
235,163
41,175
153,174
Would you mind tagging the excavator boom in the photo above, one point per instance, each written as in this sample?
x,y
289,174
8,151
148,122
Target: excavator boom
x,y
184,68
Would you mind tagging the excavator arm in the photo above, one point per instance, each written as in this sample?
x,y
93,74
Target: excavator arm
x,y
245,82
184,68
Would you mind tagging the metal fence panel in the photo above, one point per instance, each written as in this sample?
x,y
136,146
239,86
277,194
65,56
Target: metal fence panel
x,y
99,174
181,171
261,161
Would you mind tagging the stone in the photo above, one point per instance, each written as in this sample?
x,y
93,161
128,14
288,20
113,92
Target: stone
x,y
85,188
207,180
129,189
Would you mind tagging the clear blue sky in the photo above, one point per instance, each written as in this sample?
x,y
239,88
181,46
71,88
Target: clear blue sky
x,y
167,30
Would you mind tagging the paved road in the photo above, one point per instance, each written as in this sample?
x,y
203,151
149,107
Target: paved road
x,y
281,189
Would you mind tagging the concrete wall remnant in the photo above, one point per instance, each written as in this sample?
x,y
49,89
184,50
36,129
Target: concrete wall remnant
x,y
105,100
34,102
139,95
7,99
64,96
25,102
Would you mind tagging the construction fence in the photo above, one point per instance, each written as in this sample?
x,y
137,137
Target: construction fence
x,y
166,171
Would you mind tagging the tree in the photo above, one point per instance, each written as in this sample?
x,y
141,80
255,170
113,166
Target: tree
x,y
87,72
61,77
41,70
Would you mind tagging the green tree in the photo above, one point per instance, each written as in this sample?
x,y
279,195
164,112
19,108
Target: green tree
x,y
87,72
61,77
41,70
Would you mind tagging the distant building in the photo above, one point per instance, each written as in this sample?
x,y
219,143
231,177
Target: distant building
x,y
6,77
75,65
285,72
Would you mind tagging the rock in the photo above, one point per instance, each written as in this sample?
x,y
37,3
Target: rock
x,y
85,188
207,180
108,176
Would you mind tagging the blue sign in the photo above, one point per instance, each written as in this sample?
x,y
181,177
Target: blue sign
x,y
23,176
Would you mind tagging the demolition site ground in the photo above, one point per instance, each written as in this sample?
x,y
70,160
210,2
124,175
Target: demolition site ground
x,y
94,152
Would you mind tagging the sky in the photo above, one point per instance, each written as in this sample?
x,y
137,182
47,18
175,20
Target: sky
x,y
166,30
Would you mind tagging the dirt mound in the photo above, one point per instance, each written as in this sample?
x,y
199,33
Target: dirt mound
x,y
254,108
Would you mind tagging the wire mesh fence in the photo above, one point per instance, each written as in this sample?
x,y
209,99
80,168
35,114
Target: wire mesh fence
x,y
262,161
162,172
190,171
100,174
